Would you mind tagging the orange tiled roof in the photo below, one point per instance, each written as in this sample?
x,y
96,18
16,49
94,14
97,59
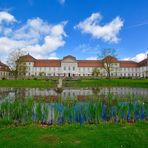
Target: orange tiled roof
x,y
110,59
47,63
27,58
89,63
128,64
82,63
69,56
4,67
143,62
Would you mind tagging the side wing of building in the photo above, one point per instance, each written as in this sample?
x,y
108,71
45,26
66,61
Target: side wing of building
x,y
4,70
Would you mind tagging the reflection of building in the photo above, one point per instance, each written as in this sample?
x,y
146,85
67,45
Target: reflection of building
x,y
4,70
71,93
69,66
83,92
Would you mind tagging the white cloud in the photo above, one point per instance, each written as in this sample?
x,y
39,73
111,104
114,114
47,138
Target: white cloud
x,y
91,58
6,17
88,49
139,57
108,32
53,56
36,36
62,2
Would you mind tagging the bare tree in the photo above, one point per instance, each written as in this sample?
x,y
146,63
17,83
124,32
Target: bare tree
x,y
106,58
16,64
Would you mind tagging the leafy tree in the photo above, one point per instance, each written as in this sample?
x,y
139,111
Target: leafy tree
x,y
96,72
42,74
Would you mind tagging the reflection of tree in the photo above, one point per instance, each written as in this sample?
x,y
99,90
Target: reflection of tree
x,y
58,90
109,90
96,91
20,93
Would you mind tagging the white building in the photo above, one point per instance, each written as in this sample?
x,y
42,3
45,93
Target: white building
x,y
69,66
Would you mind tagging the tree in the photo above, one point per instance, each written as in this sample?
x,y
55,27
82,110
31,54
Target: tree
x,y
106,58
16,64
96,72
42,74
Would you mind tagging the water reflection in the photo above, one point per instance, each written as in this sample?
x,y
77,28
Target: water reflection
x,y
78,93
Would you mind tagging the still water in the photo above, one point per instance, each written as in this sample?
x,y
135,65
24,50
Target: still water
x,y
78,93
115,104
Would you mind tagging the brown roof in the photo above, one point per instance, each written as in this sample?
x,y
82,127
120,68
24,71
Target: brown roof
x,y
4,67
47,63
27,58
143,63
128,64
69,56
89,63
82,63
110,59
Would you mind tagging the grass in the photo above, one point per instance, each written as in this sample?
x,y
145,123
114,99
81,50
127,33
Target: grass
x,y
76,83
105,82
85,136
27,83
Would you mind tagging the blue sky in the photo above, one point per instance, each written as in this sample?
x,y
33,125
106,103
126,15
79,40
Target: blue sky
x,y
55,28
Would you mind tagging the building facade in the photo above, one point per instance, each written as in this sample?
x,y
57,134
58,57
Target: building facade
x,y
69,66
4,71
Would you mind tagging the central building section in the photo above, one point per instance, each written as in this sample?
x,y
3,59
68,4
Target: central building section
x,y
69,66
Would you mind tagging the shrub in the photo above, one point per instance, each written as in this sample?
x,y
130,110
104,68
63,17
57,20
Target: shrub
x,y
3,78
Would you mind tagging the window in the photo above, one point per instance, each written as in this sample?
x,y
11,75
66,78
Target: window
x,y
73,68
64,67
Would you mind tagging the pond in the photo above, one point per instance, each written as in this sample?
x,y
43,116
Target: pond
x,y
78,93
73,105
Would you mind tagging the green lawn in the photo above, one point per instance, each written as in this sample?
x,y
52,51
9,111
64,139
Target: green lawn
x,y
27,83
76,83
106,82
105,135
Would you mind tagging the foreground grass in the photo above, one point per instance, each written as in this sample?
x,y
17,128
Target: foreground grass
x,y
93,136
76,83
105,82
27,83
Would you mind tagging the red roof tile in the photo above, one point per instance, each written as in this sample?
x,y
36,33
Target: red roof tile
x,y
69,56
27,58
128,64
143,63
89,63
4,67
110,59
82,63
47,63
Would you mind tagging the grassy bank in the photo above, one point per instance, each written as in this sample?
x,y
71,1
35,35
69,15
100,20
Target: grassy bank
x,y
105,82
27,83
76,83
101,135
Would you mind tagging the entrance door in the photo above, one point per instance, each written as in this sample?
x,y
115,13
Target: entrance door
x,y
68,74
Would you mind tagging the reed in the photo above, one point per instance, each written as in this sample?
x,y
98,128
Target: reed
x,y
92,111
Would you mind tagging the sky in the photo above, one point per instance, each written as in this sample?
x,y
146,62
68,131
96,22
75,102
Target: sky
x,y
52,29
